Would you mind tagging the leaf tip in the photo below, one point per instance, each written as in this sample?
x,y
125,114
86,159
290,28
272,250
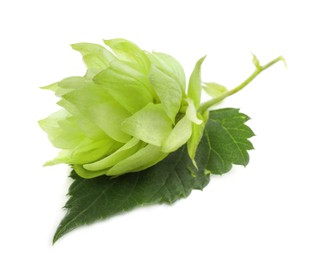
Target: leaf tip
x,y
255,61
56,236
284,61
202,59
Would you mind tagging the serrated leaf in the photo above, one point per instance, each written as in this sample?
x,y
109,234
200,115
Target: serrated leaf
x,y
228,142
225,142
103,197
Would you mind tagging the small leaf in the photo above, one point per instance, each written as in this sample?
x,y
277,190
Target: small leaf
x,y
224,142
228,142
194,88
256,62
214,89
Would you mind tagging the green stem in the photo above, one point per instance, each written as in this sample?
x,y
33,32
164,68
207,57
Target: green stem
x,y
206,105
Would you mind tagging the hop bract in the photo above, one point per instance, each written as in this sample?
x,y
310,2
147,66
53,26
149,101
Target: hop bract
x,y
127,113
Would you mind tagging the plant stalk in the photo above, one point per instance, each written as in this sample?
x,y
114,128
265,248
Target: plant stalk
x,y
206,105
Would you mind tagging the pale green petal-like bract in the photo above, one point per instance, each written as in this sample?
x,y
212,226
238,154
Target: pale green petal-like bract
x,y
150,124
192,112
131,93
95,56
128,51
143,159
178,136
123,152
168,91
101,110
194,88
197,132
175,70
63,132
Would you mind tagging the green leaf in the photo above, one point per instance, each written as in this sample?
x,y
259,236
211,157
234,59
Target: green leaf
x,y
103,197
227,137
256,62
194,88
225,142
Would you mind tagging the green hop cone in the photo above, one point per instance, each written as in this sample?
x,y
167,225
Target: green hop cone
x,y
127,113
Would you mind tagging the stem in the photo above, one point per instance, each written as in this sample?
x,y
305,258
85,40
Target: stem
x,y
206,105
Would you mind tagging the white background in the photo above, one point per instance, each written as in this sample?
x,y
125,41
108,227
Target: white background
x,y
268,210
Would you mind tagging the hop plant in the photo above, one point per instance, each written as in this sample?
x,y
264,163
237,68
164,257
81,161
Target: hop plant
x,y
129,111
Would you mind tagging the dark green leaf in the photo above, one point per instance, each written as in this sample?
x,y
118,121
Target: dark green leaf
x,y
227,140
102,197
224,143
